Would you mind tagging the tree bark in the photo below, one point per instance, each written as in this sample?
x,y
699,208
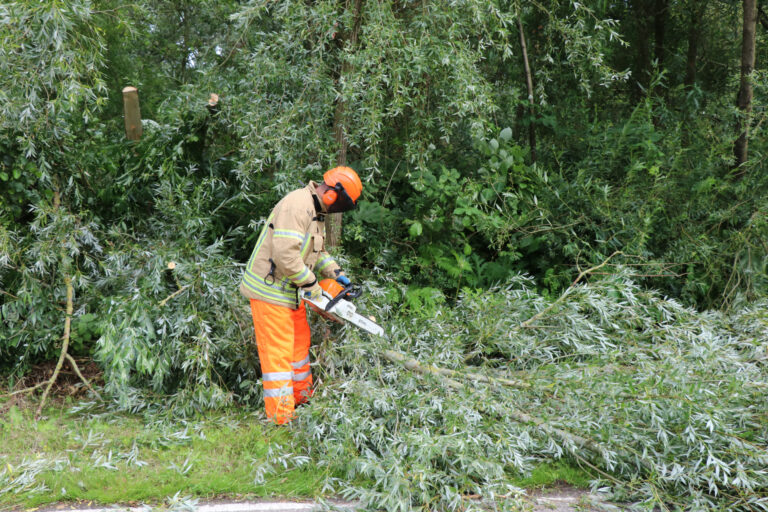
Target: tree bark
x,y
529,85
694,33
660,30
642,68
334,224
749,28
132,113
64,345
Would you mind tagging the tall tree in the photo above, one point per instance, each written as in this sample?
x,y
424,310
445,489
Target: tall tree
x,y
329,84
660,16
529,86
695,15
643,14
749,28
347,40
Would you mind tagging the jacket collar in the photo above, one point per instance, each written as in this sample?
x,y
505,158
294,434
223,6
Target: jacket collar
x,y
320,207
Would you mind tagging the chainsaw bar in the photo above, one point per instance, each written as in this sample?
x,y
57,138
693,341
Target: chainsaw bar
x,y
345,310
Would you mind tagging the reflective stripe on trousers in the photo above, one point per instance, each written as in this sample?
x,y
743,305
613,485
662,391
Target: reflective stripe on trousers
x,y
302,379
282,339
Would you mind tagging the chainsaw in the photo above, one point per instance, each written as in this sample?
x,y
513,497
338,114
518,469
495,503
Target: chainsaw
x,y
335,304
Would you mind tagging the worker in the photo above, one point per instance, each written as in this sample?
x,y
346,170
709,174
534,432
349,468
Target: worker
x,y
282,270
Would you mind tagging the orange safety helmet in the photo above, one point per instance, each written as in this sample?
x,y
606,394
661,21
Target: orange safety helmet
x,y
342,179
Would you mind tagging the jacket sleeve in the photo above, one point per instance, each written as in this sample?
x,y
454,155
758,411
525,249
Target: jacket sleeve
x,y
327,266
289,238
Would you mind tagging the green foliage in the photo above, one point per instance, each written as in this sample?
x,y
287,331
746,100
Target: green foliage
x,y
423,302
669,395
432,100
60,245
18,177
660,191
178,333
409,60
52,55
656,190
472,226
85,331
51,86
555,474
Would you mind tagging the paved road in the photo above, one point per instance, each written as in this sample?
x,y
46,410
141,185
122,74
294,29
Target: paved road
x,y
563,500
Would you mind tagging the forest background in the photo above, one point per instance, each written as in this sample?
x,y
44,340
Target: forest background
x,y
510,152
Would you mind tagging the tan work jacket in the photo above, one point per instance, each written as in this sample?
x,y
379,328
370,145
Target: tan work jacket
x,y
290,251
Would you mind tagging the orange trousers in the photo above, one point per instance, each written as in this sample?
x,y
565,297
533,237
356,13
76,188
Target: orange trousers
x,y
282,338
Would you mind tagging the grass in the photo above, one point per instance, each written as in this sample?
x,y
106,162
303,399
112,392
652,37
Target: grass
x,y
112,458
550,474
107,458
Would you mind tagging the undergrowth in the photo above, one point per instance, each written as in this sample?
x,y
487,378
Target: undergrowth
x,y
664,406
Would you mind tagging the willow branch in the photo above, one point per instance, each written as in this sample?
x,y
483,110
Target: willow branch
x,y
522,417
414,365
519,415
85,381
529,84
64,345
9,294
174,294
27,390
568,291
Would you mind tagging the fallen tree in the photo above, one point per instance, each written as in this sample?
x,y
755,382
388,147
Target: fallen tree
x,y
661,403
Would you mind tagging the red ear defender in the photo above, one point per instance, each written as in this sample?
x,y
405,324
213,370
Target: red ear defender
x,y
330,197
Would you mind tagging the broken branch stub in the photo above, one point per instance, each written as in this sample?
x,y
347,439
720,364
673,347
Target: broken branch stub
x,y
132,113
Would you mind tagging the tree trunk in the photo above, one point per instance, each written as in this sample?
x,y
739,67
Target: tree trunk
x,y
334,224
183,12
529,85
694,32
745,89
642,68
660,30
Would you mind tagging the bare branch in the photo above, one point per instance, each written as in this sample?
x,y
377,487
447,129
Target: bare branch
x,y
568,291
173,295
73,363
64,345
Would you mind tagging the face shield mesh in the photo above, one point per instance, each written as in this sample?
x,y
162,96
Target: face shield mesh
x,y
343,202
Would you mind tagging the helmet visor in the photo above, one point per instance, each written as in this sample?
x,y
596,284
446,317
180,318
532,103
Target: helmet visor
x,y
343,202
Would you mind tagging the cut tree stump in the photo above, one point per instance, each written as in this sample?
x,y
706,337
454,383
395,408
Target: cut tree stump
x,y
132,113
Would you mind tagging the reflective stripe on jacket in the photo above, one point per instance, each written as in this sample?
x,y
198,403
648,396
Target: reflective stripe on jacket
x,y
289,251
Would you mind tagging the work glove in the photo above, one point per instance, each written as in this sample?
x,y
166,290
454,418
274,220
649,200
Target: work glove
x,y
343,280
313,292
